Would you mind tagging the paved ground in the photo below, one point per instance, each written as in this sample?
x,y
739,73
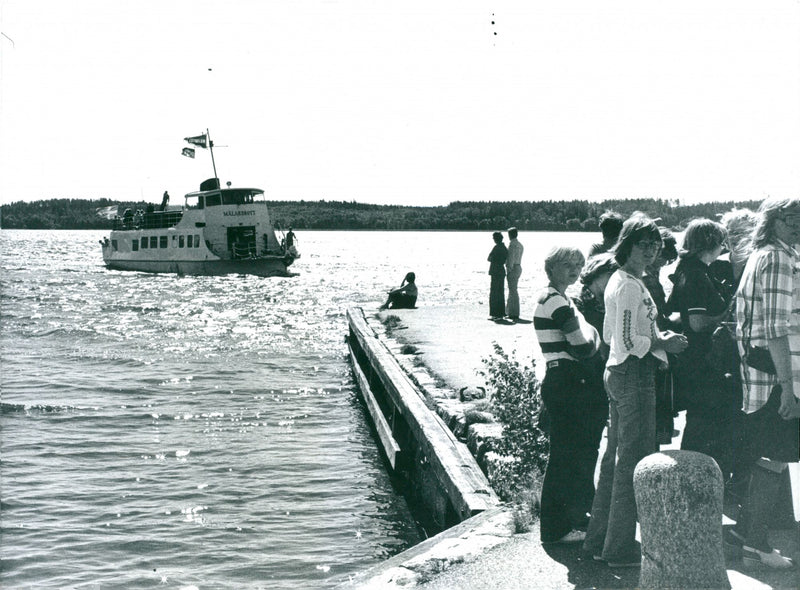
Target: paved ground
x,y
452,342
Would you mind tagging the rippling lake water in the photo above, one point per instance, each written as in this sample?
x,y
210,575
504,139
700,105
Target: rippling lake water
x,y
204,432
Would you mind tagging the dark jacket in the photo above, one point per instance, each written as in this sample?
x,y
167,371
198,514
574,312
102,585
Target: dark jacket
x,y
497,260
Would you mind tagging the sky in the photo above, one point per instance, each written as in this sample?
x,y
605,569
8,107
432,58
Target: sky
x,y
407,102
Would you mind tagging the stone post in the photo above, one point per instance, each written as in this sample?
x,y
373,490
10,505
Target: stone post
x,y
679,502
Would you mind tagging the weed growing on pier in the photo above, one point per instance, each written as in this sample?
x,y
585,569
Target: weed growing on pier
x,y
525,506
516,402
409,349
390,323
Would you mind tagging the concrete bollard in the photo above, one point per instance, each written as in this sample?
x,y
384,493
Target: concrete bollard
x,y
679,502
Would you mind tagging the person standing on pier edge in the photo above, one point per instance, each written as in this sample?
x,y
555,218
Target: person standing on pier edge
x,y
575,400
637,347
665,403
513,272
712,400
768,325
497,270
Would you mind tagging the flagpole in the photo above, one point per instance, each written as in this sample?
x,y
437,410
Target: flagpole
x,y
211,147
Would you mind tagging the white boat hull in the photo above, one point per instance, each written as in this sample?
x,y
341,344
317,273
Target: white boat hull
x,y
263,267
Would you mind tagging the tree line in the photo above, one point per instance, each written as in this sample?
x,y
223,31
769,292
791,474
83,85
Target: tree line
x,y
574,215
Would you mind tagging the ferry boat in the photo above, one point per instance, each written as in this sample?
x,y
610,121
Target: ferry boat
x,y
217,231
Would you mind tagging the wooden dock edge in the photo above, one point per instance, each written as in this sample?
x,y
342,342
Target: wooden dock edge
x,y
390,447
442,461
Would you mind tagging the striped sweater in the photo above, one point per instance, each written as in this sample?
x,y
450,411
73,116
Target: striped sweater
x,y
562,331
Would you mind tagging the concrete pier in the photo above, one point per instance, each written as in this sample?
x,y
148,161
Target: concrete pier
x,y
441,474
440,349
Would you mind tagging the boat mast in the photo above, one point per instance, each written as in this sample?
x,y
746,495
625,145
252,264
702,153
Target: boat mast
x,y
211,148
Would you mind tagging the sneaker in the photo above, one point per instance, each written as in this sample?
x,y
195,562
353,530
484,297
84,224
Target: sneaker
x,y
574,536
772,559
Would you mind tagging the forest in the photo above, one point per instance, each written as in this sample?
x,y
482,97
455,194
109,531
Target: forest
x,y
574,215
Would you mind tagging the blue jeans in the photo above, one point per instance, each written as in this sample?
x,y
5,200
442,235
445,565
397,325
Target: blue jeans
x,y
631,437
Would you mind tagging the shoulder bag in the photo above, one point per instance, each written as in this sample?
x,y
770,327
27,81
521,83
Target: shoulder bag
x,y
757,357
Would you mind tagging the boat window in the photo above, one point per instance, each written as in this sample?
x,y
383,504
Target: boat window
x,y
181,242
144,243
154,241
134,245
238,197
189,242
196,241
114,244
163,242
213,200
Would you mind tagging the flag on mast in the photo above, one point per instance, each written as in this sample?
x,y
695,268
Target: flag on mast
x,y
188,152
201,140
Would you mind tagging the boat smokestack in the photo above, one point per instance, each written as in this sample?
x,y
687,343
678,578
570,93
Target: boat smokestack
x,y
210,184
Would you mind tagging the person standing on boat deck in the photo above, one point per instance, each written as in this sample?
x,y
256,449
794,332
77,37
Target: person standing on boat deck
x,y
513,272
497,270
289,241
637,346
164,201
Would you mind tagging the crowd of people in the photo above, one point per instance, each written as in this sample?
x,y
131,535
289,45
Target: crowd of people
x,y
724,346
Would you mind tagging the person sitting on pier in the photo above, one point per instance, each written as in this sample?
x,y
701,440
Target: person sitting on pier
x,y
405,296
574,398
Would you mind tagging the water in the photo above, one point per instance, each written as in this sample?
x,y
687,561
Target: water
x,y
204,432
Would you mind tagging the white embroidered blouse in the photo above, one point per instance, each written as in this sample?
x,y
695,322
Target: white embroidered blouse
x,y
630,323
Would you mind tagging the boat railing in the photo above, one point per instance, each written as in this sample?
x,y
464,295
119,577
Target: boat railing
x,y
244,251
149,220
